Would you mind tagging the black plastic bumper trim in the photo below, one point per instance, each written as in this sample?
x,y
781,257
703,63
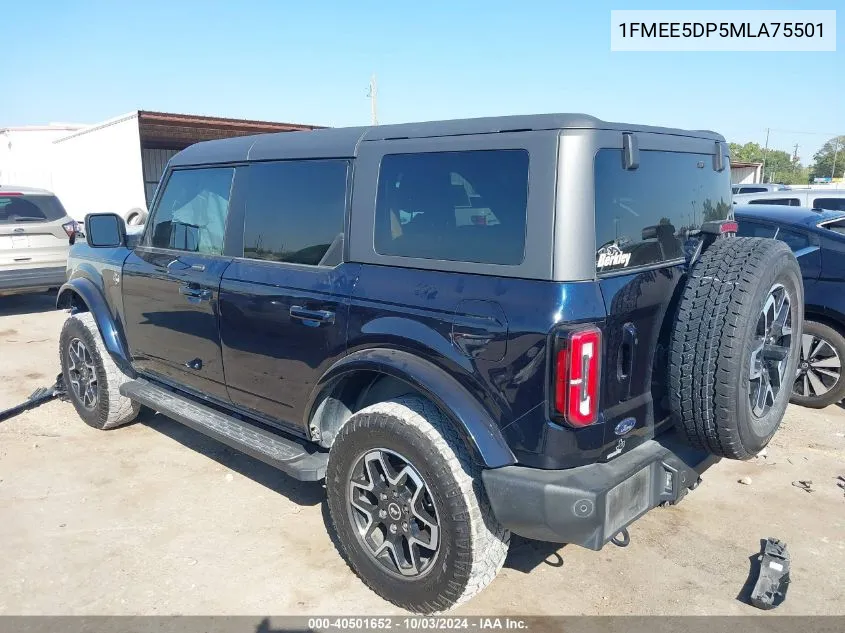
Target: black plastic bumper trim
x,y
588,505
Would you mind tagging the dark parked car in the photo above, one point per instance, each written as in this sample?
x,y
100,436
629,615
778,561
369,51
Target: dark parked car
x,y
539,325
818,241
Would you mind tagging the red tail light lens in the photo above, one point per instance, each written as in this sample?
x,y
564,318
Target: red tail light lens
x,y
576,380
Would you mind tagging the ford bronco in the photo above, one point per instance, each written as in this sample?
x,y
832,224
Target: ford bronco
x,y
541,325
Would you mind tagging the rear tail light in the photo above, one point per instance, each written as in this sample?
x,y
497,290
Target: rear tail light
x,y
70,228
576,377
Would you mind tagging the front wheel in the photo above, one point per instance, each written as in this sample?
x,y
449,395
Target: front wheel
x,y
409,509
91,376
819,382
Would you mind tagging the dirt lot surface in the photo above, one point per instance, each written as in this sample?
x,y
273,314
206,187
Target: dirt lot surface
x,y
156,519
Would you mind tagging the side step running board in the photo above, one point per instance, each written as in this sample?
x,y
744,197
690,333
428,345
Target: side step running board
x,y
296,459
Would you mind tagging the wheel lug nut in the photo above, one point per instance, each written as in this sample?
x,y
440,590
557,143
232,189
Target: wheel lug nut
x,y
393,528
383,496
382,514
405,526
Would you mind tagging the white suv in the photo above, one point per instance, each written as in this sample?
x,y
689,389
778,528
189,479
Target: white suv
x,y
35,235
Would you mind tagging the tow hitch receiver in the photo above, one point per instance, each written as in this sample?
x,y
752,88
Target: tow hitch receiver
x,y
39,396
773,582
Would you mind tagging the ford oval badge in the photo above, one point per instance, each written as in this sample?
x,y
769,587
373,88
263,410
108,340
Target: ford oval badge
x,y
625,425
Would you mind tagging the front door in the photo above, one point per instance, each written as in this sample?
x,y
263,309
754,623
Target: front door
x,y
284,304
171,283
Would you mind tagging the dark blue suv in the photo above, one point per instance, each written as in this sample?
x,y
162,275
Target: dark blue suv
x,y
536,324
818,240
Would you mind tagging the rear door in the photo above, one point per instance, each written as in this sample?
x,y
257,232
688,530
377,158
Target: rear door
x,y
643,216
284,302
171,282
32,234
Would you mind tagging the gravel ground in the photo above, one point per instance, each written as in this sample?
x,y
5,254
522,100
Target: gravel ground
x,y
157,519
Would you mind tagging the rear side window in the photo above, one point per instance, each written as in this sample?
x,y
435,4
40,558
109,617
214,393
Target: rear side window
x,y
192,210
643,214
832,204
756,229
295,212
467,206
787,202
752,189
17,209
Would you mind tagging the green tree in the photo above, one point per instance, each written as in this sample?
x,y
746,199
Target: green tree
x,y
823,160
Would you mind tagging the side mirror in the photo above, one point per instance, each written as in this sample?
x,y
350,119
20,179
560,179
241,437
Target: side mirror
x,y
105,230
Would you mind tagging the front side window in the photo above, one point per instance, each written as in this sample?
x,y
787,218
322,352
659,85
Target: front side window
x,y
191,213
468,206
643,215
295,212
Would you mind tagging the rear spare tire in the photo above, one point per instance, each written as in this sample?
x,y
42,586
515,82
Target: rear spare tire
x,y
735,345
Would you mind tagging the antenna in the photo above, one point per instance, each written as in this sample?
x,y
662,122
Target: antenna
x,y
372,93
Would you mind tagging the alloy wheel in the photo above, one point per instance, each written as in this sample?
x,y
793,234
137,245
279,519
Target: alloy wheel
x,y
820,368
770,356
82,374
393,513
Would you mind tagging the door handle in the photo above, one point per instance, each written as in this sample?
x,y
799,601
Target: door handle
x,y
194,292
321,316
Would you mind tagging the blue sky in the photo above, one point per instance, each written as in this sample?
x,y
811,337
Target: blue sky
x,y
311,61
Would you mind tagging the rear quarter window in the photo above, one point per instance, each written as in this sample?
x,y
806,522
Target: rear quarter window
x,y
467,206
27,208
749,228
643,215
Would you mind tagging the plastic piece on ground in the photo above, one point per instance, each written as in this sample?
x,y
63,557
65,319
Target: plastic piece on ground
x,y
770,590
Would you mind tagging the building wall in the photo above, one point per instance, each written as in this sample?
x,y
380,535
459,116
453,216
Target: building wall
x,y
26,156
98,169
745,175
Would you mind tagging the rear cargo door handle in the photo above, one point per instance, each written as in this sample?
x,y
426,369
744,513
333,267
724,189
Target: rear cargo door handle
x,y
194,293
319,316
626,354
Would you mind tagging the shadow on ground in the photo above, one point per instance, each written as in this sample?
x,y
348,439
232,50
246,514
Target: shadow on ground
x,y
526,555
304,493
27,304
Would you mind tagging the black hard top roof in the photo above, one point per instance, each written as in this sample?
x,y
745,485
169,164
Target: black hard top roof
x,y
343,142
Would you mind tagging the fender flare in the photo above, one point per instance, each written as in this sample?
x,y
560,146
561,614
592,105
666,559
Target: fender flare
x,y
447,393
93,298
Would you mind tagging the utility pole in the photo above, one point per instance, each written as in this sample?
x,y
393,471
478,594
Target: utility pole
x,y
765,151
373,95
794,160
835,152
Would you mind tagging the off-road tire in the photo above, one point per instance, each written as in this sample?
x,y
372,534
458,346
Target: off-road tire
x,y
712,341
836,340
473,545
111,409
136,217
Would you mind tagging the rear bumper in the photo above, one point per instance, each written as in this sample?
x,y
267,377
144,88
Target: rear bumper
x,y
588,505
32,278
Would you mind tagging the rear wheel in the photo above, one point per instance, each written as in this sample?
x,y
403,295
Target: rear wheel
x,y
409,509
735,349
819,381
